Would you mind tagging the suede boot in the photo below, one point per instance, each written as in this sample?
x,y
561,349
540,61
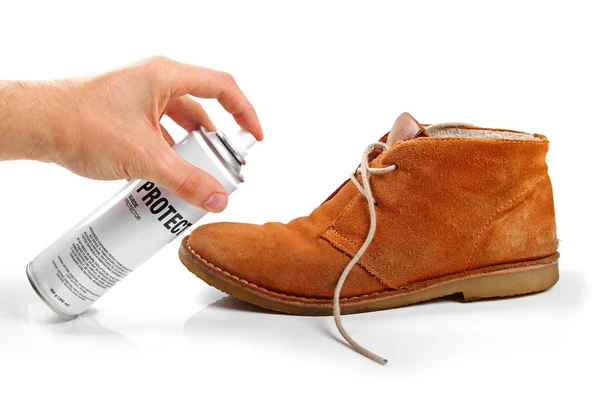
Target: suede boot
x,y
431,211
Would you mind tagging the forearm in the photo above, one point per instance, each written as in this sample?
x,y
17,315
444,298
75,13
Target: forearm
x,y
29,120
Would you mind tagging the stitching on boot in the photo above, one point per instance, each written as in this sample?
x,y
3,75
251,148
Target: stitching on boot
x,y
211,265
368,265
521,195
406,288
345,210
364,262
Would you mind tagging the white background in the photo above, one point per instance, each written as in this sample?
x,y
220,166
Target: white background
x,y
327,79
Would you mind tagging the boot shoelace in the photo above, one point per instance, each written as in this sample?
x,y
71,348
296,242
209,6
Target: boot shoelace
x,y
364,189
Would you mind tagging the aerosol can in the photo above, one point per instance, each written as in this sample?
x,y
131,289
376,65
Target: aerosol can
x,y
82,265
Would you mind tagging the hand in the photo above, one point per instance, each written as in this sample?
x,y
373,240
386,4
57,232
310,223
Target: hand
x,y
108,127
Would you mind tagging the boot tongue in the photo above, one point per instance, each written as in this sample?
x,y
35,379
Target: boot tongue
x,y
405,128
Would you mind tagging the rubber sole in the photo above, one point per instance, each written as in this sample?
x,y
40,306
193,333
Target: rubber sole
x,y
480,284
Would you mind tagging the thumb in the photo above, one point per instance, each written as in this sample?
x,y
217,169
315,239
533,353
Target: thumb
x,y
188,182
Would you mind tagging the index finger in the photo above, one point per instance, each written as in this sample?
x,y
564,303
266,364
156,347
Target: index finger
x,y
208,83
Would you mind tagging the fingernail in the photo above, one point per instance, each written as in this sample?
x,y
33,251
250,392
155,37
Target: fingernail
x,y
216,202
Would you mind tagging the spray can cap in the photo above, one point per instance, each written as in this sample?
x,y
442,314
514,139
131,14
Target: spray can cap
x,y
242,140
238,143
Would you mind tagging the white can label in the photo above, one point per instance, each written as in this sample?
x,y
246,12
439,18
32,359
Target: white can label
x,y
108,245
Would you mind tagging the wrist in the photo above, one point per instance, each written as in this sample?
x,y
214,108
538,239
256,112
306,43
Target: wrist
x,y
30,120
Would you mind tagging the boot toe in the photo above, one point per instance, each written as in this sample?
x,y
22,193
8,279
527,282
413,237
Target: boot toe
x,y
277,259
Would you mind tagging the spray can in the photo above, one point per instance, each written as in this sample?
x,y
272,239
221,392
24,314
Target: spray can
x,y
105,247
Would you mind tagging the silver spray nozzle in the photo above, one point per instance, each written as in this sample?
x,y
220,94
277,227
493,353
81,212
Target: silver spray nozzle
x,y
231,149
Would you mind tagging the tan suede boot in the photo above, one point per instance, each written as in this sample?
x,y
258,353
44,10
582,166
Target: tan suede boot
x,y
431,211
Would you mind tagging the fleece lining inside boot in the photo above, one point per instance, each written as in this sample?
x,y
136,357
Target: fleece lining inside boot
x,y
460,130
